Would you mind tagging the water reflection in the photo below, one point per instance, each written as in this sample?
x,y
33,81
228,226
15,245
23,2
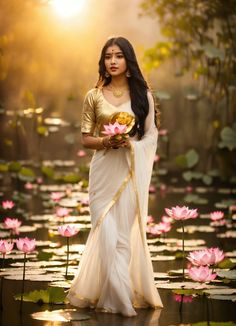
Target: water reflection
x,y
148,317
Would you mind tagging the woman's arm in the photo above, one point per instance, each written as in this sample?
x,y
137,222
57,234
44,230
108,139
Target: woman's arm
x,y
106,142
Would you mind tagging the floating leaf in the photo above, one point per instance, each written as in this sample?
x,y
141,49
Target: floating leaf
x,y
187,160
55,295
226,264
188,292
228,138
3,167
26,174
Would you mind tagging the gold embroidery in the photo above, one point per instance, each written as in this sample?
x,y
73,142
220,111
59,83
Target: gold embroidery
x,y
114,199
136,192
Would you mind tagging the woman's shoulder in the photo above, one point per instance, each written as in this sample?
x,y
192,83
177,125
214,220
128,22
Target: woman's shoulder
x,y
93,91
92,94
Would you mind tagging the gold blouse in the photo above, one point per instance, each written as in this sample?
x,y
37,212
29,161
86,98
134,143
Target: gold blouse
x,y
97,112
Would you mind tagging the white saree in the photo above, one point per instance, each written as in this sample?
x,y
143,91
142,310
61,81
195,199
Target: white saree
x,y
115,273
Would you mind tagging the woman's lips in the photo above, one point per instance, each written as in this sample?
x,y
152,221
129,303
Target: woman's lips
x,y
113,68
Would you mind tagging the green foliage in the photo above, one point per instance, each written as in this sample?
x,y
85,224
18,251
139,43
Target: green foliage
x,y
44,256
70,139
226,263
48,171
85,183
228,138
14,167
188,292
26,174
3,167
53,295
200,35
72,178
187,160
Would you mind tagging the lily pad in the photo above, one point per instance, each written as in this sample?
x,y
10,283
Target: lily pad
x,y
231,275
185,285
162,258
37,278
53,295
224,291
65,315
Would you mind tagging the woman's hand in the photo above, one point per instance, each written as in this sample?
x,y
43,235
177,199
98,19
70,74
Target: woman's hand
x,y
116,142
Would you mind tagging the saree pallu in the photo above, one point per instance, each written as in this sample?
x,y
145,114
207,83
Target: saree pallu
x,y
115,273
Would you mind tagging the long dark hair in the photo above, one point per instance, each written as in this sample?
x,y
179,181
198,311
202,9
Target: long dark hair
x,y
137,85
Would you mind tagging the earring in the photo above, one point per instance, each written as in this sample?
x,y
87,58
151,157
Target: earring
x,y
128,74
107,74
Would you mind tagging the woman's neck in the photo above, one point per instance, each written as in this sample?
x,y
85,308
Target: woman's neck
x,y
119,82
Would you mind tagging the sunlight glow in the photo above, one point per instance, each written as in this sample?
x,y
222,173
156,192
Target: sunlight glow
x,y
67,8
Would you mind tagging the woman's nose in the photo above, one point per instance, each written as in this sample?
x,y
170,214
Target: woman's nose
x,y
113,59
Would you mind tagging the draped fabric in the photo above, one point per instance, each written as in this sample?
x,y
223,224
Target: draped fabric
x,y
115,273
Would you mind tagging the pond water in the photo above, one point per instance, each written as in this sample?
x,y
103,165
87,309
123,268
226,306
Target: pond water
x,y
199,310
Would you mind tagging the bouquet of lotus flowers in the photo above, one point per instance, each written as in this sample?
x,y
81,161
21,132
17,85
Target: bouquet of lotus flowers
x,y
120,125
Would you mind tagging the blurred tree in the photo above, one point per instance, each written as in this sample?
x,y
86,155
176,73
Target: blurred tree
x,y
200,37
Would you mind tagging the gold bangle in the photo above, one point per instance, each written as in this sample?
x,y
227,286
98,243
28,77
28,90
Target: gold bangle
x,y
102,143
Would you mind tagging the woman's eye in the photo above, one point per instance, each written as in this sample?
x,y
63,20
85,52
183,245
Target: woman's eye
x,y
120,56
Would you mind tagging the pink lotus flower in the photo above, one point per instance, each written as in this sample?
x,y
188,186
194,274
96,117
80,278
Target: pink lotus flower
x,y
157,158
13,224
160,228
216,216
62,212
183,298
163,132
39,180
221,222
166,219
81,153
163,187
152,189
150,219
56,196
210,256
85,201
201,274
29,186
114,129
8,204
181,213
68,230
189,189
26,245
6,247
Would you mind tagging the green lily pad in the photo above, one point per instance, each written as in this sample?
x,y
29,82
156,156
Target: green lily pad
x,y
231,274
188,292
53,295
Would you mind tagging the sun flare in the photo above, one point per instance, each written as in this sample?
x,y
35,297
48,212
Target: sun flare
x,y
67,8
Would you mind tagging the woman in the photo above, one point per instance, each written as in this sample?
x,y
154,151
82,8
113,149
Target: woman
x,y
115,273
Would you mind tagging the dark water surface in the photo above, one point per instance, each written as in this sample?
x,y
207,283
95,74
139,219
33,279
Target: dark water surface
x,y
201,309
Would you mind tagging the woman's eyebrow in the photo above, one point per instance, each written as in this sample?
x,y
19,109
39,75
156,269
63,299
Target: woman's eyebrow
x,y
118,52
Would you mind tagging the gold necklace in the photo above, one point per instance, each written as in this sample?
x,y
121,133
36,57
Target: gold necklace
x,y
118,92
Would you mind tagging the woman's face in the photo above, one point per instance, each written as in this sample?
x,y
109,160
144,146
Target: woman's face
x,y
115,62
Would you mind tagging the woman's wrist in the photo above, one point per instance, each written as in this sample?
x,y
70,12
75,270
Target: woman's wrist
x,y
104,142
